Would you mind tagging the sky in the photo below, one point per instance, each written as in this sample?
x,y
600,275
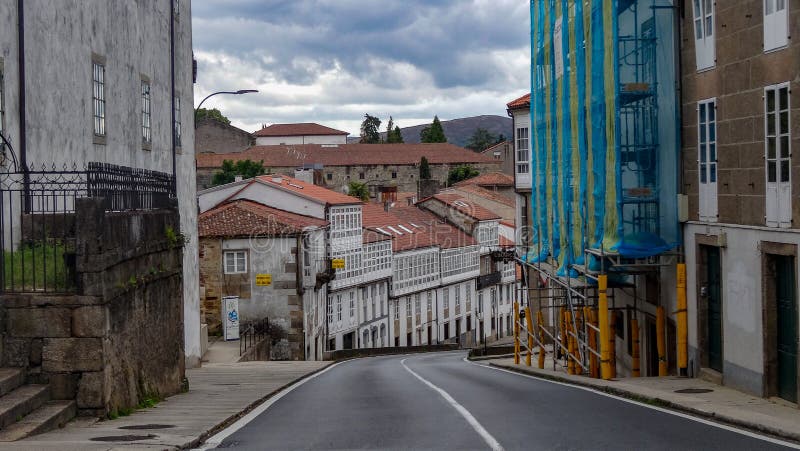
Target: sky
x,y
332,61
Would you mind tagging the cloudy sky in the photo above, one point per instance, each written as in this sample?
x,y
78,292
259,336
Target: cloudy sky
x,y
331,61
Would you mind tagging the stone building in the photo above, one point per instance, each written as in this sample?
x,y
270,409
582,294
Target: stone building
x,y
99,90
503,151
740,120
213,136
264,256
520,111
382,167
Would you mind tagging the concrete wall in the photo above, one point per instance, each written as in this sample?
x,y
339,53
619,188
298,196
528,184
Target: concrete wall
x,y
133,37
217,137
307,139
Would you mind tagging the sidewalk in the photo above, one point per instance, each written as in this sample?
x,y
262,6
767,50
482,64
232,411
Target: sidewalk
x,y
218,394
721,404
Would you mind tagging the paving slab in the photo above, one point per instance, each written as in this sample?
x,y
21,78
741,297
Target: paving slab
x,y
218,395
709,400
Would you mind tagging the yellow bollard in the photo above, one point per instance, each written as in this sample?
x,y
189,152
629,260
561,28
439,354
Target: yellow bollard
x,y
531,331
563,330
540,321
635,370
612,338
568,320
605,351
660,341
594,368
683,328
516,333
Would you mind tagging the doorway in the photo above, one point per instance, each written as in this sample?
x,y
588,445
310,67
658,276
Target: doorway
x,y
711,306
780,327
651,346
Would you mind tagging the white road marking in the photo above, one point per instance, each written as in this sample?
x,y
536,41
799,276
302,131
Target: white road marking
x,y
726,427
485,435
217,439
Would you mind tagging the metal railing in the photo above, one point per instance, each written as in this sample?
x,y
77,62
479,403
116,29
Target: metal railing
x,y
252,334
37,220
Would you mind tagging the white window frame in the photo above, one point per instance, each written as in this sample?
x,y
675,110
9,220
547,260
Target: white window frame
x,y
707,158
704,26
352,304
430,302
776,24
778,160
338,307
177,125
147,130
235,269
523,149
458,296
397,310
408,307
99,97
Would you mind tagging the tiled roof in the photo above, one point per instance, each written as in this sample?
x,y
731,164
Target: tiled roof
x,y
491,148
463,205
302,129
505,242
245,217
522,102
370,235
489,179
479,191
308,190
412,228
348,155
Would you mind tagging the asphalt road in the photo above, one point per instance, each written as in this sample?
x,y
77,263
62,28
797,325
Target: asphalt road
x,y
438,401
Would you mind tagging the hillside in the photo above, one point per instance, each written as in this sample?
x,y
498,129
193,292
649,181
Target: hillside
x,y
458,131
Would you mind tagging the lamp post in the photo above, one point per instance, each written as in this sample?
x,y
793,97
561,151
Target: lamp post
x,y
236,93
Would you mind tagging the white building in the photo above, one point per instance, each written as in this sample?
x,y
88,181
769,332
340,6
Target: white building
x,y
303,133
89,87
520,112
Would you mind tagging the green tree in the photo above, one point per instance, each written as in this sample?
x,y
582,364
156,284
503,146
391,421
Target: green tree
x,y
213,113
393,134
369,130
481,139
246,168
358,190
424,169
460,173
433,133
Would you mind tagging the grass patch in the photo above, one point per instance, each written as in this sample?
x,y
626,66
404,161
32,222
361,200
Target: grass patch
x,y
38,266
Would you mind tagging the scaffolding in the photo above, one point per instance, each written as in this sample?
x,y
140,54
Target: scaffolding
x,y
604,189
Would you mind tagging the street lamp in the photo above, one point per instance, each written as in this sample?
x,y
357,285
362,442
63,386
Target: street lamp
x,y
236,93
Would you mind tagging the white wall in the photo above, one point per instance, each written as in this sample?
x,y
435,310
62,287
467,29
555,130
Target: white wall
x,y
307,139
522,118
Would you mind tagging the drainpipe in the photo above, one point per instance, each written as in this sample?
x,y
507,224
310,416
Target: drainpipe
x,y
172,90
23,154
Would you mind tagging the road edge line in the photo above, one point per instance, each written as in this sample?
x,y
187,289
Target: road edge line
x,y
471,420
710,418
250,412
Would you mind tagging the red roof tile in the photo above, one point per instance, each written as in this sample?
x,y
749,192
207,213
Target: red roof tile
x,y
374,216
348,155
308,190
370,235
489,179
505,242
245,217
522,102
491,148
444,234
302,129
484,193
463,205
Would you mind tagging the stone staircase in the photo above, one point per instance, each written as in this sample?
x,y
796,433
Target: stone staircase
x,y
26,409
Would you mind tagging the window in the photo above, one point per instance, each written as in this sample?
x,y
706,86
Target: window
x,y
408,306
352,304
361,175
364,299
522,150
707,159
394,174
469,297
372,297
397,309
417,303
177,121
776,24
338,307
330,312
705,52
146,130
458,296
480,302
778,155
329,176
430,302
235,262
99,97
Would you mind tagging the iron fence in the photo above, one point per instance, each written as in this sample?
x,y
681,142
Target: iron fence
x,y
37,219
252,334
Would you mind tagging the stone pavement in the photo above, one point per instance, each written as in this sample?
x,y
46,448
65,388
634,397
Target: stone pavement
x,y
721,404
221,351
218,395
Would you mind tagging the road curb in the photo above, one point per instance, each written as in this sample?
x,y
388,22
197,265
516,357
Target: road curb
x,y
250,407
660,402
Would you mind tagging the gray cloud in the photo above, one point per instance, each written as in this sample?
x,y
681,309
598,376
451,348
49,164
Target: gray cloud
x,y
417,56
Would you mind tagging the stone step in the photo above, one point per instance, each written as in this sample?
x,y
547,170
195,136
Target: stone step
x,y
54,414
20,402
11,378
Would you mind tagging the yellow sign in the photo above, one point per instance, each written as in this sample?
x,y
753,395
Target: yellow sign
x,y
263,280
337,263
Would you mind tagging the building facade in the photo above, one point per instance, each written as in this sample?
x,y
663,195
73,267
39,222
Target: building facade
x,y
303,133
740,122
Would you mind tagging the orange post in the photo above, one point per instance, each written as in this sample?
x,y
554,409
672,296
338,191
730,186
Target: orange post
x,y
531,331
540,321
605,342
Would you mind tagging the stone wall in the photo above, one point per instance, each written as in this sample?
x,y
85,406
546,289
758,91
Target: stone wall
x,y
216,137
374,176
119,339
